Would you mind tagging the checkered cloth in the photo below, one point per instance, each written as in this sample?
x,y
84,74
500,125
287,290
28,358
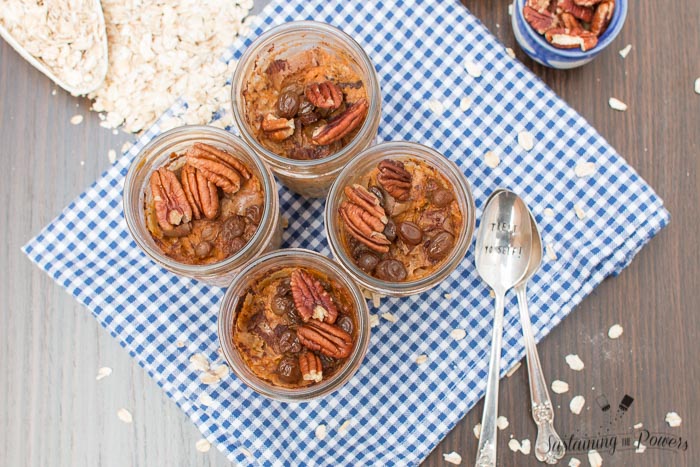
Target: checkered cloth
x,y
398,410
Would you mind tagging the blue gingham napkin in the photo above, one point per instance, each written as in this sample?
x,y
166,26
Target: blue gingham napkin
x,y
396,410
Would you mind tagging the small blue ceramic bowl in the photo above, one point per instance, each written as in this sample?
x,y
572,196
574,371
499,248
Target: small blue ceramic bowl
x,y
541,51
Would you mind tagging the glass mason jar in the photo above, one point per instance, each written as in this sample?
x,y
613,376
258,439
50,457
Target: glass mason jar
x,y
309,178
156,154
262,266
363,164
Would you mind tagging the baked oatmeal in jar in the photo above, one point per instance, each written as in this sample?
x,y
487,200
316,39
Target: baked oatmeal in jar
x,y
399,218
203,206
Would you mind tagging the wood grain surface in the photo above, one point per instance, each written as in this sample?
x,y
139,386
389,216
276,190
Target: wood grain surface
x,y
54,413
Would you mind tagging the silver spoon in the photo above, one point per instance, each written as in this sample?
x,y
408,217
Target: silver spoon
x,y
502,254
549,447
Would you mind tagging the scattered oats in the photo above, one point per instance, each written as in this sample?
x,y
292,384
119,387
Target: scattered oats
x,y
624,52
584,169
673,419
376,300
346,424
209,378
285,222
549,212
53,92
389,317
492,160
76,119
514,445
321,432
458,334
697,86
199,362
551,254
594,458
82,163
560,387
421,359
126,146
125,416
103,373
502,422
464,104
574,362
576,404
206,400
373,321
617,104
492,294
448,296
510,9
436,106
510,51
640,448
202,445
246,452
637,426
477,430
115,132
221,371
453,458
180,344
512,371
525,446
580,211
473,69
615,331
112,156
573,462
526,140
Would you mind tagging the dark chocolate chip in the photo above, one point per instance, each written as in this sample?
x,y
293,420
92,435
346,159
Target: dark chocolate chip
x,y
390,230
391,270
368,261
410,233
440,246
442,197
288,370
202,249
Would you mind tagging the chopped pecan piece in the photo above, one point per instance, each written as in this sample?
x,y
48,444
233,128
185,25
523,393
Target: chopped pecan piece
x,y
583,13
311,368
278,129
342,125
395,179
540,21
326,95
602,16
276,66
538,5
364,226
588,3
326,338
567,39
219,167
169,200
200,192
310,299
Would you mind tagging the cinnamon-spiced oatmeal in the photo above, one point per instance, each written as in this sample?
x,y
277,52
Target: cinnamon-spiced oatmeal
x,y
401,220
307,106
295,327
203,205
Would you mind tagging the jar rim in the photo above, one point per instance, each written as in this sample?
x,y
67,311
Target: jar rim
x,y
252,52
227,317
447,168
199,133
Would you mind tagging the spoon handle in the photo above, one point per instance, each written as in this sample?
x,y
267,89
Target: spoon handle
x,y
548,447
486,455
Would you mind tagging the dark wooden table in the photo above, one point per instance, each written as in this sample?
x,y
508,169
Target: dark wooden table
x,y
53,412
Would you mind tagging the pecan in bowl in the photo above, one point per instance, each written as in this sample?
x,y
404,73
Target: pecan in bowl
x,y
203,205
293,325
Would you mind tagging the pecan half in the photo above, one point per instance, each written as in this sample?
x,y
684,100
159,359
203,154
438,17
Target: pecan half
x,y
326,338
310,299
581,12
200,192
602,16
367,200
219,167
342,125
326,95
364,226
569,21
277,129
310,366
588,3
395,179
538,5
567,39
169,200
540,21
